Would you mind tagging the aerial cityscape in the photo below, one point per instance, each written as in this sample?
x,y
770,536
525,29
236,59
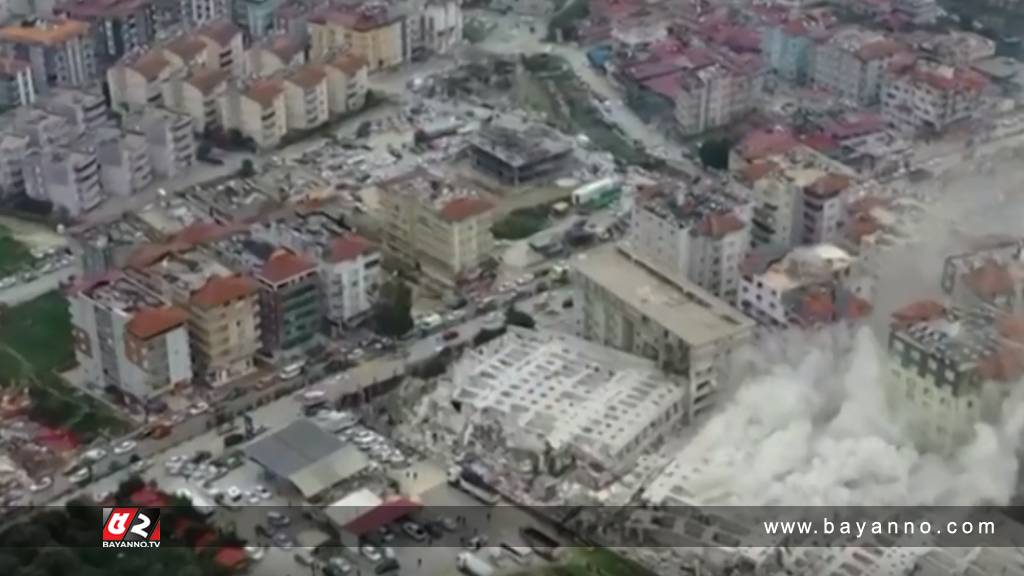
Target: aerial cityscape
x,y
511,287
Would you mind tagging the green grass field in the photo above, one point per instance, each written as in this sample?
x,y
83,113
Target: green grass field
x,y
591,562
13,254
35,346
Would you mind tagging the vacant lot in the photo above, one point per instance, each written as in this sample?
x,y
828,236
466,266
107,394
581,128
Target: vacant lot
x,y
13,255
35,346
591,562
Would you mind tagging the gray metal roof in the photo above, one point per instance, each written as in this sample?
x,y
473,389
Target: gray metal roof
x,y
310,458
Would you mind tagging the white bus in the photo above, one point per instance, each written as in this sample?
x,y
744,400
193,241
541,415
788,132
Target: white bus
x,y
292,370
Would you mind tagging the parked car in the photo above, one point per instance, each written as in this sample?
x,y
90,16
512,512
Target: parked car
x,y
337,566
124,447
278,519
414,531
371,554
389,565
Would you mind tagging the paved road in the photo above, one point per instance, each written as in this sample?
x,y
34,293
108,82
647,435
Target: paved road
x,y
25,291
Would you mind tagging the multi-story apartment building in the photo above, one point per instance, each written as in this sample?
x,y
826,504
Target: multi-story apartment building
x,y
374,31
949,369
201,97
291,302
224,47
128,339
60,52
351,272
255,17
85,111
275,54
13,152
306,101
16,87
44,130
624,304
808,286
201,11
789,48
698,237
169,139
187,52
718,94
259,112
516,151
929,97
346,82
69,177
124,162
852,64
823,208
431,26
436,227
223,308
140,80
118,26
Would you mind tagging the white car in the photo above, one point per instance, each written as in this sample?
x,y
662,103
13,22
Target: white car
x,y
263,492
41,484
255,553
124,447
234,493
95,454
198,408
82,475
184,493
389,553
371,553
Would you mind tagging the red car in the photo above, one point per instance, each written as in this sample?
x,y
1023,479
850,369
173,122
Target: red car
x,y
450,335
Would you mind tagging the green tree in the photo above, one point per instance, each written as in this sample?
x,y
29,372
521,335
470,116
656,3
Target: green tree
x,y
714,153
392,314
515,317
248,169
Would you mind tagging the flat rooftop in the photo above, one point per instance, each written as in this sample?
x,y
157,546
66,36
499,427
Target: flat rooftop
x,y
519,145
683,308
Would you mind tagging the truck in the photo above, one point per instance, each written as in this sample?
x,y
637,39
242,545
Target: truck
x,y
597,194
472,482
473,565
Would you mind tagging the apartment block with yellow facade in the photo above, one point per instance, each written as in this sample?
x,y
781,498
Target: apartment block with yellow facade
x,y
306,97
346,82
438,228
140,80
258,111
224,47
375,32
276,54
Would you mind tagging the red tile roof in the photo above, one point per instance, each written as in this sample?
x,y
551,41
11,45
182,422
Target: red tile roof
x,y
880,49
150,65
1012,328
920,311
222,31
719,225
990,280
348,62
819,141
283,265
149,254
466,207
265,92
219,291
861,226
308,76
348,247
150,322
231,558
757,170
186,47
1006,364
763,143
829,185
202,232
205,80
386,513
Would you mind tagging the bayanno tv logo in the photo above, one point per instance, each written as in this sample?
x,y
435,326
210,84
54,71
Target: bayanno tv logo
x,y
131,527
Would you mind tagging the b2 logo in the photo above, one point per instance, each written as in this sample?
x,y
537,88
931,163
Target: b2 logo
x,y
131,527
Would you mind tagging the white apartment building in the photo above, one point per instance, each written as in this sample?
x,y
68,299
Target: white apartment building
x,y
276,54
16,86
717,95
432,26
59,51
201,96
701,238
186,52
125,168
68,177
929,97
626,305
85,111
346,82
852,64
259,112
557,396
169,139
351,272
202,11
224,47
128,339
949,369
141,80
13,152
305,95
807,286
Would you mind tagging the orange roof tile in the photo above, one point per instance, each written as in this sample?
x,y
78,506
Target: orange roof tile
x,y
460,209
150,322
348,62
920,311
283,265
757,170
265,92
222,32
202,232
308,76
206,79
47,32
990,280
880,49
1012,328
185,47
348,247
148,254
150,65
763,143
1006,364
284,47
719,225
861,226
220,290
829,185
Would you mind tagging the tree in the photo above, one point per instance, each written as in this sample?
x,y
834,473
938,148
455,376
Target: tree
x,y
248,169
714,153
514,317
392,314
